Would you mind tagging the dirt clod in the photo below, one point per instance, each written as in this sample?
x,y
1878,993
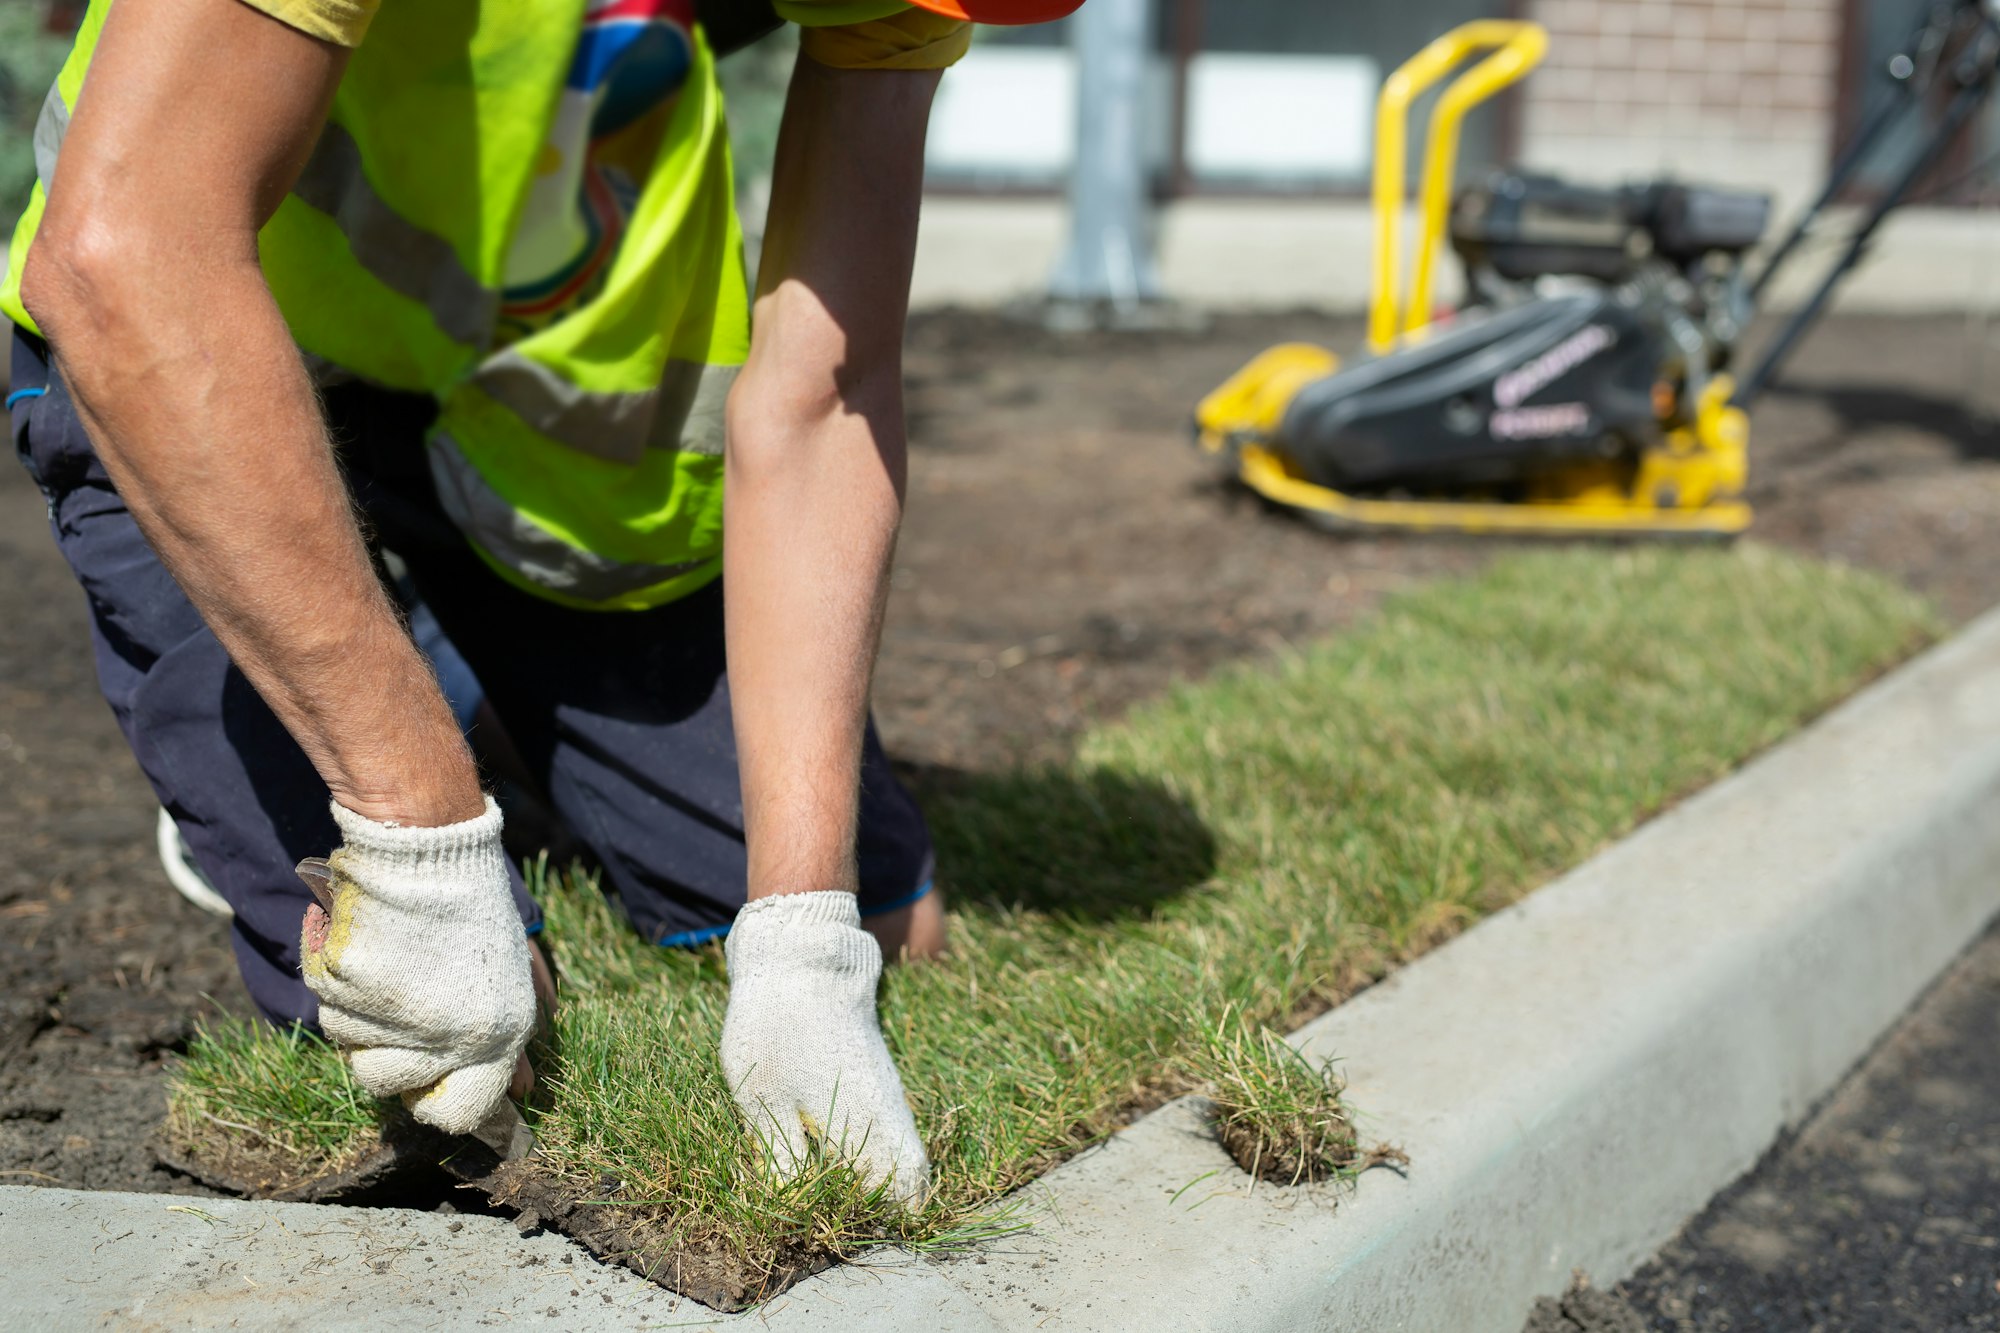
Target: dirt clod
x,y
1583,1309
1284,1163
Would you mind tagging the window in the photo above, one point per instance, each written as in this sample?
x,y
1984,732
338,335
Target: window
x,y
1272,96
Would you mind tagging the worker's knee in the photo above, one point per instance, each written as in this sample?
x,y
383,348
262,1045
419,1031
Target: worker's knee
x,y
913,932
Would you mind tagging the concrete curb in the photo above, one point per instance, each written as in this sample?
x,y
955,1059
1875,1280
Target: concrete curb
x,y
75,1259
1573,1079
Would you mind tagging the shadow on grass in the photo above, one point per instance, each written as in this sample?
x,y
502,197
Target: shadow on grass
x,y
1095,845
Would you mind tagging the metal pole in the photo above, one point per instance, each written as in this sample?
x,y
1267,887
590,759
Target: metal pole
x,y
1967,100
1910,73
1110,255
1879,120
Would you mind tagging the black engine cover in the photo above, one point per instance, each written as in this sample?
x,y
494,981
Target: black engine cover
x,y
1484,402
1523,226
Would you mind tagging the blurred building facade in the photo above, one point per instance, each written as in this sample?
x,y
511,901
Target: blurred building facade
x,y
1259,119
1749,91
1257,122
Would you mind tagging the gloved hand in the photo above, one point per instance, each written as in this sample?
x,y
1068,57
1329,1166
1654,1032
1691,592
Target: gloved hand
x,y
421,966
801,1045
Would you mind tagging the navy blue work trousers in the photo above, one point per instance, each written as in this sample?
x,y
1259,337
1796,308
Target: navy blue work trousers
x,y
622,717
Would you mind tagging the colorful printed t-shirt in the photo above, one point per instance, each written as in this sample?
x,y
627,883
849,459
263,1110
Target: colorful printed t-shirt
x,y
631,60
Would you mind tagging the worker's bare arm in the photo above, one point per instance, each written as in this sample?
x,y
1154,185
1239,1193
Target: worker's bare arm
x,y
196,117
816,462
814,495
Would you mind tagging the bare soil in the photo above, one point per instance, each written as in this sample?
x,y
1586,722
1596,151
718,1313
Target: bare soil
x,y
1066,554
103,969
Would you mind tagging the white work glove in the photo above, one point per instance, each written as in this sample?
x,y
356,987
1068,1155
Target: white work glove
x,y
801,1045
421,965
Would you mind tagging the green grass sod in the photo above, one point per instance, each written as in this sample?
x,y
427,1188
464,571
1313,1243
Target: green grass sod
x,y
1221,862
285,1091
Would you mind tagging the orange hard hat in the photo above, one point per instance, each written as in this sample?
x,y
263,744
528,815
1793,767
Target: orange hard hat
x,y
1002,11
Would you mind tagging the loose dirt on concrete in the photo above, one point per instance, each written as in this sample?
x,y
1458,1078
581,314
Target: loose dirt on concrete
x,y
1582,1309
412,1166
1065,555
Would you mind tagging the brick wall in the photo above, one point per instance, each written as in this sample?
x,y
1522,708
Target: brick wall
x,y
1730,91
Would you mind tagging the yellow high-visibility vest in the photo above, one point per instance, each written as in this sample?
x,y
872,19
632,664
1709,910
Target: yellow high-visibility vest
x,y
584,461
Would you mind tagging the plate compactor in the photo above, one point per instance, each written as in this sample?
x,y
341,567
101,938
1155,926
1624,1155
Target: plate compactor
x,y
1583,389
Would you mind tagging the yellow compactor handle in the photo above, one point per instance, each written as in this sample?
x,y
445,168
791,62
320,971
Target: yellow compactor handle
x,y
1520,48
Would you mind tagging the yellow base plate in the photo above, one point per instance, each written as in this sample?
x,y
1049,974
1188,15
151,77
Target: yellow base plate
x,y
1263,473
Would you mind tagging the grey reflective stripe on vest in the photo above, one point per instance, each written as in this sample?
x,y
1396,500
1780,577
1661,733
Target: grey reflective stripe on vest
x,y
407,259
50,127
683,413
538,556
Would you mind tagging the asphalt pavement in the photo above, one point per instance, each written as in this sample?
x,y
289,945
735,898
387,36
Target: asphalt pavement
x,y
1882,1213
